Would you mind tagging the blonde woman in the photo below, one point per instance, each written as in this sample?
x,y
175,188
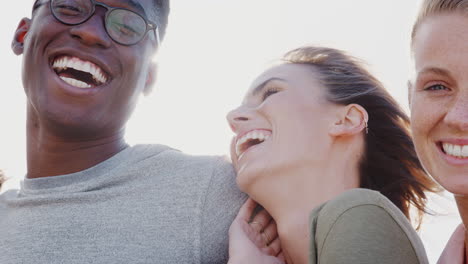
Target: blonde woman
x,y
439,105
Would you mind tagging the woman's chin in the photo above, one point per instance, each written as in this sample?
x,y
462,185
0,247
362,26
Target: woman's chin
x,y
243,181
456,184
253,177
247,180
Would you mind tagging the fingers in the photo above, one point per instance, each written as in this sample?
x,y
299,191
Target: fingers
x,y
260,220
270,232
281,256
247,209
265,237
263,230
274,248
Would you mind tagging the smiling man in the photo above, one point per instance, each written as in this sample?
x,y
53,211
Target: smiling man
x,y
88,197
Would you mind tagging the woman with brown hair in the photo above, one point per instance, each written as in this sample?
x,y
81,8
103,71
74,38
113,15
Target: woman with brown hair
x,y
325,149
439,105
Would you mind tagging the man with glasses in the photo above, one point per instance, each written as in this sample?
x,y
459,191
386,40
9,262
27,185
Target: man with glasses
x,y
88,197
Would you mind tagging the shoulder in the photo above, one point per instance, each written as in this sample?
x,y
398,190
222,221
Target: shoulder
x,y
364,224
352,201
7,195
172,157
353,198
350,205
165,159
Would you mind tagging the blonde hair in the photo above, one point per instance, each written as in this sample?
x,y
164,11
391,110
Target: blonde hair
x,y
437,7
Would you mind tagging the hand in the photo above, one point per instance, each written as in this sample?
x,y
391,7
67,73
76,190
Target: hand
x,y
254,241
454,251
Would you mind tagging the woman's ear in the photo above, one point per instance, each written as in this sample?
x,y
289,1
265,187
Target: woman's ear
x,y
150,79
351,120
17,45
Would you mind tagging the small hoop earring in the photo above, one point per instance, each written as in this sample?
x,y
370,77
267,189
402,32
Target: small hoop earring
x,y
367,127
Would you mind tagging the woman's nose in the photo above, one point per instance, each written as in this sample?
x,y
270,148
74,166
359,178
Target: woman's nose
x,y
236,118
457,115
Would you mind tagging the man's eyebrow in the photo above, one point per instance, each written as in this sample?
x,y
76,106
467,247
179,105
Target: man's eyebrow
x,y
259,87
36,5
136,5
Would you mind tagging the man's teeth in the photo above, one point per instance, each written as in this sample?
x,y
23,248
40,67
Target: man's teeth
x,y
459,151
253,135
80,65
75,82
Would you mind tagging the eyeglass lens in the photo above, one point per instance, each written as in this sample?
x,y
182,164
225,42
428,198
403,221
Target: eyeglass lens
x,y
123,26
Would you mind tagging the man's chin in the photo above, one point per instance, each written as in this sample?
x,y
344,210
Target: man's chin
x,y
66,122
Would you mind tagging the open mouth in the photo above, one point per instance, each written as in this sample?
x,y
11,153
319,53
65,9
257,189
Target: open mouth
x,y
457,151
79,73
252,138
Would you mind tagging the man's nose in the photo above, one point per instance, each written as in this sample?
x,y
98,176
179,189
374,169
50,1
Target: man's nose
x,y
237,117
92,32
457,115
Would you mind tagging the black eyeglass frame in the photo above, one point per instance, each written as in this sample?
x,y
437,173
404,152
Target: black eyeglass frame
x,y
109,9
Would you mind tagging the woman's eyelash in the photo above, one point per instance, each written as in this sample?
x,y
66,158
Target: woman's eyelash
x,y
436,87
268,92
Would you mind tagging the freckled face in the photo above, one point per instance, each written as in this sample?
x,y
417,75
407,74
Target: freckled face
x,y
120,73
439,99
282,123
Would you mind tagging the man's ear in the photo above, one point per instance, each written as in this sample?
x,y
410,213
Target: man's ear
x,y
17,45
150,79
351,120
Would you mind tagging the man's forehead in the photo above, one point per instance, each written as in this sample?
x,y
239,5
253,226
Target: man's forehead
x,y
146,7
138,4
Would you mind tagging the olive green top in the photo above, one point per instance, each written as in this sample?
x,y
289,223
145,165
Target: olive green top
x,y
363,226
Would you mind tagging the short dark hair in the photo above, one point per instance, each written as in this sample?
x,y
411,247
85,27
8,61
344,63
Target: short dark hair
x,y
162,9
389,163
160,15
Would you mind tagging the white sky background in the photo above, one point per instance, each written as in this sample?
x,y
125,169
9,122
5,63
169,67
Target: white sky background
x,y
213,50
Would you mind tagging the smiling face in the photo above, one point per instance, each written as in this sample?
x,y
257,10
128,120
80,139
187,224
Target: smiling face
x,y
77,79
439,99
282,123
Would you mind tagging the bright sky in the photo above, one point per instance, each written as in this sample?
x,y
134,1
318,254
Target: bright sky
x,y
212,52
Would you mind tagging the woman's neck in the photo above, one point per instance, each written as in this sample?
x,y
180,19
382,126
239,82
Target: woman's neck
x,y
295,196
462,204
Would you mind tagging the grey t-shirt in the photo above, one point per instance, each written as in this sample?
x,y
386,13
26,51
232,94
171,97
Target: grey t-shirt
x,y
147,204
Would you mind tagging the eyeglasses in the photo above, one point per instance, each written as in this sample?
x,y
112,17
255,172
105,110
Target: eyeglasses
x,y
122,25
